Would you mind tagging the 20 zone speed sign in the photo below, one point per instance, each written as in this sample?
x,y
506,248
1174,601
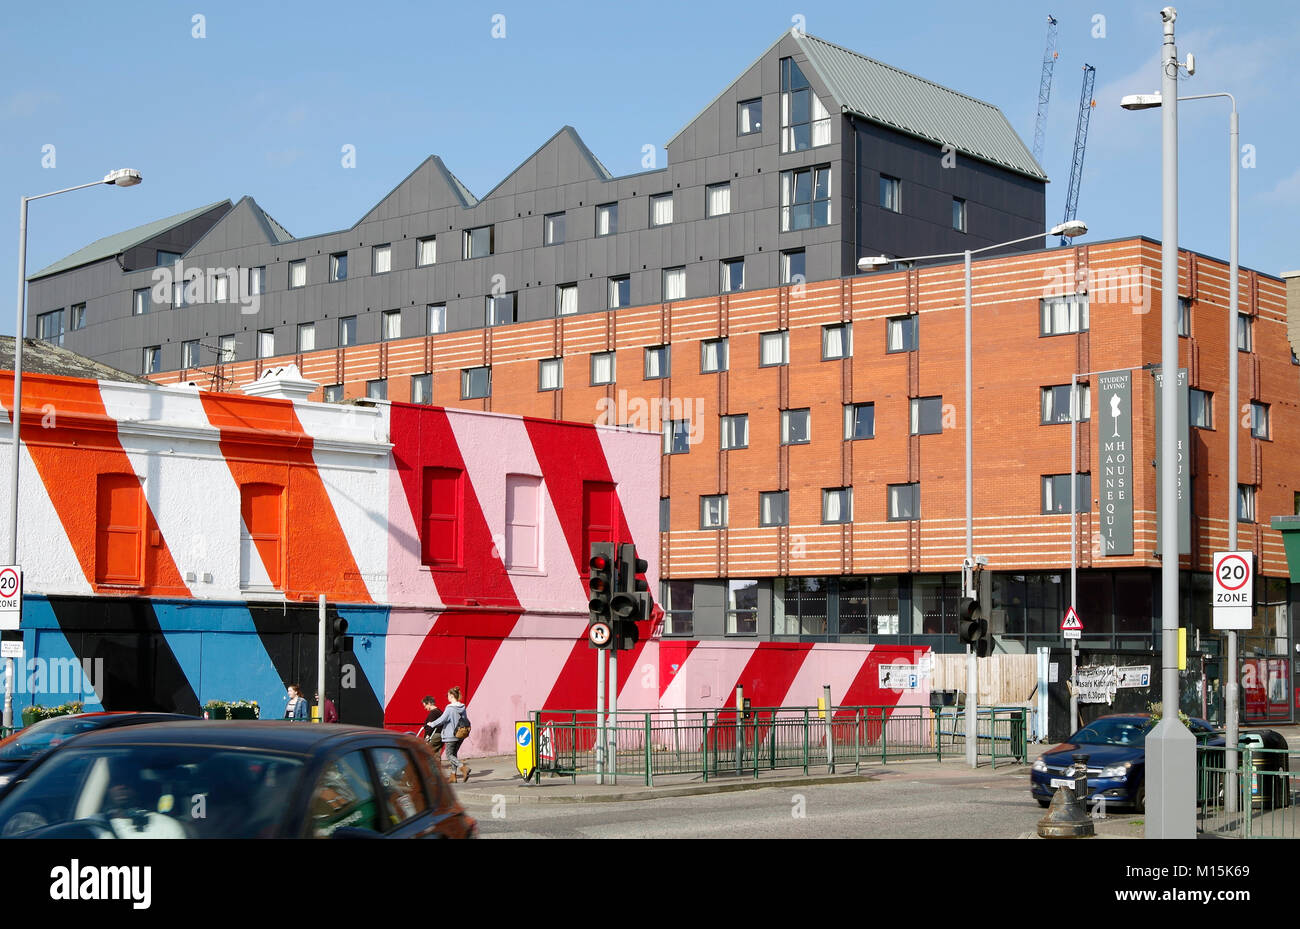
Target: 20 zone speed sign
x,y
11,596
1234,590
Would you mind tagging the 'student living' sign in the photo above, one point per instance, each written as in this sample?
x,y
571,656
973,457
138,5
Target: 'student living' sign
x,y
1115,445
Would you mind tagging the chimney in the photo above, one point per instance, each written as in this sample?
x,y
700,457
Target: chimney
x,y
284,383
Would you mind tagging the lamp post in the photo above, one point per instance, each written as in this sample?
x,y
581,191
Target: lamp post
x,y
122,177
1069,230
1151,101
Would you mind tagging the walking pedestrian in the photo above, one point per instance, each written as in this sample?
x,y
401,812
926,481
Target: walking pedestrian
x,y
454,722
330,712
429,732
296,708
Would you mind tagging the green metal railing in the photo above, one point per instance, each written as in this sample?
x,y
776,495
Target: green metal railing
x,y
1267,785
1000,732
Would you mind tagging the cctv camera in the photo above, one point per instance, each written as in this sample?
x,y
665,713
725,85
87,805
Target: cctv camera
x,y
1168,14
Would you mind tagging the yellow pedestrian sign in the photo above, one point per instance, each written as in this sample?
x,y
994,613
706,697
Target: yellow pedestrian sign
x,y
525,749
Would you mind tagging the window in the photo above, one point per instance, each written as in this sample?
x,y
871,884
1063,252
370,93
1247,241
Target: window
x,y
1056,403
257,280
403,797
661,209
566,299
553,229
774,508
1184,316
1056,493
190,354
261,530
347,331
1062,315
1259,420
377,389
1244,326
339,267
265,343
927,415
426,251
550,374
220,288
801,605
749,117
437,318
227,348
674,284
475,383
306,337
440,517
735,431
773,348
795,427
607,219
677,436
298,273
523,523
901,334
859,421
678,601
891,194
345,796
837,341
959,214
502,309
152,362
1201,412
804,120
49,327
805,198
837,505
602,368
1245,503
794,267
381,259
78,316
140,301
717,199
119,529
657,363
333,393
181,293
742,607
713,356
665,517
713,512
477,243
620,292
168,258
904,501
422,388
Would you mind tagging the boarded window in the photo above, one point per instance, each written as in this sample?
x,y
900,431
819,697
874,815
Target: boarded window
x,y
599,515
523,522
261,537
119,530
441,517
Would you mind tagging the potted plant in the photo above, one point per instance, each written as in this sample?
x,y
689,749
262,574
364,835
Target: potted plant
x,y
231,709
36,713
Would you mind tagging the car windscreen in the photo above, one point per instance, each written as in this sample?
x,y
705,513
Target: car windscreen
x,y
156,791
45,735
1113,732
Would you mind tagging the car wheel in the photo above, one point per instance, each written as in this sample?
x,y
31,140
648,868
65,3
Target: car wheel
x,y
1043,803
1140,805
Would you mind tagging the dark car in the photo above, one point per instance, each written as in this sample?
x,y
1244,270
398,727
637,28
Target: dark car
x,y
245,780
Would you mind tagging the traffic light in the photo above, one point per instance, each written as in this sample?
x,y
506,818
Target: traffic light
x,y
600,585
973,628
632,602
340,641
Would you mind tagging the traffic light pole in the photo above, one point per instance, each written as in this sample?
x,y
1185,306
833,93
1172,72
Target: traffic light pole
x,y
600,716
320,662
611,724
972,680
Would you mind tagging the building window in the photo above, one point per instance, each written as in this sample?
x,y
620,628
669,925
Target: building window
x,y
794,267
1245,324
773,348
140,302
837,505
927,415
734,431
502,309
553,229
475,383
801,605
347,331
306,337
1056,493
168,258
377,389
478,243
339,267
334,393
891,194
1201,412
713,356
665,511
1259,420
381,259
795,429
607,219
742,607
904,501
602,368
657,363
227,348
749,116
152,362
220,288
261,531
190,354
713,512
49,327
523,523
257,281
805,198
859,421
717,199
620,292
837,341
181,293
566,299
902,334
119,529
1245,503
78,316
1056,403
677,436
426,251
298,273
1184,316
804,120
678,601
422,388
959,214
265,343
437,318
661,209
550,374
440,517
674,284
774,508
1063,315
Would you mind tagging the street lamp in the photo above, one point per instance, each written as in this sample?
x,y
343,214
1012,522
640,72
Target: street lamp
x,y
122,177
1069,230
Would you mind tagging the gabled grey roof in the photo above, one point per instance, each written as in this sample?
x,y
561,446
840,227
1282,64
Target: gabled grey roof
x,y
40,357
884,94
584,152
119,242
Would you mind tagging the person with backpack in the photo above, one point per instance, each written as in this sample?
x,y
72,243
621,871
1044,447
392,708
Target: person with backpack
x,y
454,723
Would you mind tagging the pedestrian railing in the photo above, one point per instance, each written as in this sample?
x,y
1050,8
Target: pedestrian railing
x,y
1266,793
1000,732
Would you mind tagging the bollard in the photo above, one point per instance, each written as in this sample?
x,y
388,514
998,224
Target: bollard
x,y
1066,818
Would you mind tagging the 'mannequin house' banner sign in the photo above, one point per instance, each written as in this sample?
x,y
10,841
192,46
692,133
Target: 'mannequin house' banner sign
x,y
1115,457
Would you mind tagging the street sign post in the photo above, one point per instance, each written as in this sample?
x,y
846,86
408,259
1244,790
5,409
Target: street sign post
x,y
11,596
1234,590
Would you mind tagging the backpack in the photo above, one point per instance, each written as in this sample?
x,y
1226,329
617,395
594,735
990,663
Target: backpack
x,y
463,730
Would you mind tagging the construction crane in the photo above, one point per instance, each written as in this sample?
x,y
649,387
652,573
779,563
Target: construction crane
x,y
1045,88
1086,104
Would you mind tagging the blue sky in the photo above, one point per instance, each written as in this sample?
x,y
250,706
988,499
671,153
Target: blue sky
x,y
265,102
